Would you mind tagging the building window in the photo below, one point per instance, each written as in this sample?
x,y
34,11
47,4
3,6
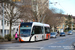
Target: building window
x,y
4,31
7,31
2,22
7,23
17,29
1,31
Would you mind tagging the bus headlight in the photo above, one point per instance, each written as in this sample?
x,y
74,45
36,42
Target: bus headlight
x,y
22,38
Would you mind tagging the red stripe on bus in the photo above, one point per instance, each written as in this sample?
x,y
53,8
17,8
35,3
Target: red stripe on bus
x,y
20,40
47,36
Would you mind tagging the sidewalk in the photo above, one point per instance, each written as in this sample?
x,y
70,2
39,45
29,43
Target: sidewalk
x,y
9,42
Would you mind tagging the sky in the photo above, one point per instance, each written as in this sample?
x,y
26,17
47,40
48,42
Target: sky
x,y
66,5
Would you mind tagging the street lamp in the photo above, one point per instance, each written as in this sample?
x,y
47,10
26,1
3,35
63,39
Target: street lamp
x,y
3,15
72,23
3,19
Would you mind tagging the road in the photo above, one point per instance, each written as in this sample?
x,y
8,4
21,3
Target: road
x,y
59,43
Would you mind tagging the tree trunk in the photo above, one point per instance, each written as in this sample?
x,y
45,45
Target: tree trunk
x,y
10,27
53,28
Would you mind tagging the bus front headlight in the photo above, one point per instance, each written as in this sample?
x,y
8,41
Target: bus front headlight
x,y
22,38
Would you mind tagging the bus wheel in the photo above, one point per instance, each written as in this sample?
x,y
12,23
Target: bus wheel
x,y
35,38
42,37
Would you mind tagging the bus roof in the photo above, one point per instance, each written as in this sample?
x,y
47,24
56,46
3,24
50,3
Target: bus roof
x,y
36,23
46,25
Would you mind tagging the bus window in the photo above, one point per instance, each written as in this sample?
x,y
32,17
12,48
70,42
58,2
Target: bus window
x,y
47,30
42,30
37,30
32,31
26,25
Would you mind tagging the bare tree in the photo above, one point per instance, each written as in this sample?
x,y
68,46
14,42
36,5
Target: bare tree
x,y
36,10
12,12
53,19
39,7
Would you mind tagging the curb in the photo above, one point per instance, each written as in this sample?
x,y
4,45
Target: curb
x,y
9,42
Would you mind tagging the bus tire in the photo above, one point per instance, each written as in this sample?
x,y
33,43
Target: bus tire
x,y
42,37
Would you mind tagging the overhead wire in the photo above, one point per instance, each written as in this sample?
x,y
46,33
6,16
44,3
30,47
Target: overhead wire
x,y
63,8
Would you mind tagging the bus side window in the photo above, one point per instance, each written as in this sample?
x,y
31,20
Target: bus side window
x,y
33,31
47,30
41,30
37,30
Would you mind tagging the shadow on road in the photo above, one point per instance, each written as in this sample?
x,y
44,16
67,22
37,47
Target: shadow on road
x,y
28,41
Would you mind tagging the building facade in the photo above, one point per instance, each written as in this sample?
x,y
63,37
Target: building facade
x,y
6,24
6,27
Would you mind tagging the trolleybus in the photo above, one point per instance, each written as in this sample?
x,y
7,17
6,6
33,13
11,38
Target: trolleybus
x,y
33,31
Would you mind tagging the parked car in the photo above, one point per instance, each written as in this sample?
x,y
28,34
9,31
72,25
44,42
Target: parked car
x,y
62,33
70,32
53,34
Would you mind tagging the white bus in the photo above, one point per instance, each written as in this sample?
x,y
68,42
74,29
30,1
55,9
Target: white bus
x,y
33,31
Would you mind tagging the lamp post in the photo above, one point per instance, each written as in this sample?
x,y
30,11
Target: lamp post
x,y
3,19
1,1
72,23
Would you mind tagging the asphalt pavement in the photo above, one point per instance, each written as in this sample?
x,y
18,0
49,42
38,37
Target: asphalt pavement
x,y
59,43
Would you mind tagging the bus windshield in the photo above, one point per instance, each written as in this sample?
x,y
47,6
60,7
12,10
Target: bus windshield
x,y
25,29
25,32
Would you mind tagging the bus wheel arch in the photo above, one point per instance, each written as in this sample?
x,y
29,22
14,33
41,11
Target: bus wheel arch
x,y
42,37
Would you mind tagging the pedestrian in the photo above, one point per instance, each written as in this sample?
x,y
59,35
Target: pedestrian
x,y
16,36
58,32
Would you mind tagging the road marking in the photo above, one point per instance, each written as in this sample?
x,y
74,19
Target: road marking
x,y
55,42
21,47
51,43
